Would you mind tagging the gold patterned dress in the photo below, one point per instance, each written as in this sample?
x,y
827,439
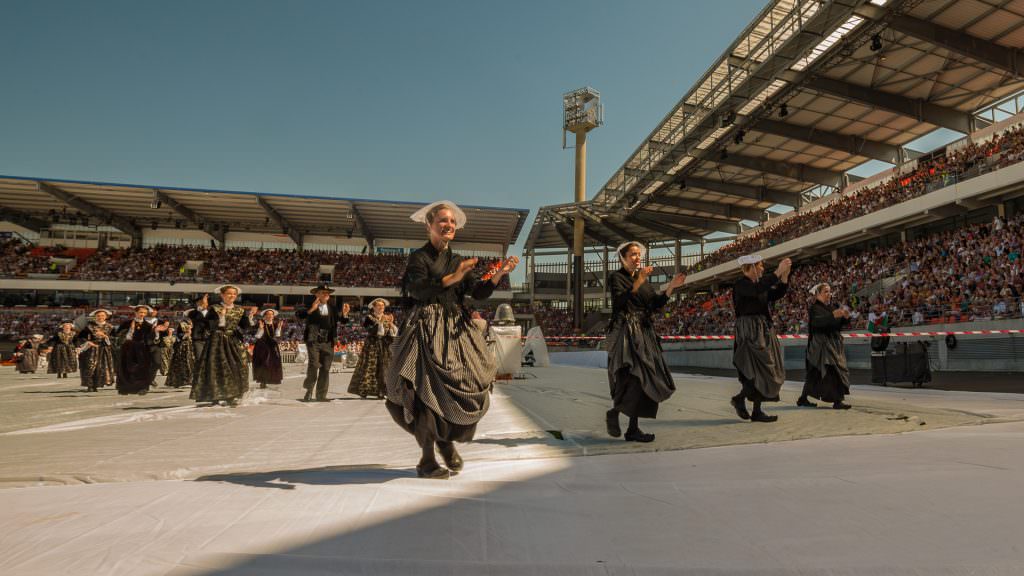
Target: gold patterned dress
x,y
223,368
62,358
96,362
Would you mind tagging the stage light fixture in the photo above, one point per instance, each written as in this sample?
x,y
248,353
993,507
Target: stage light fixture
x,y
723,154
783,111
876,42
738,138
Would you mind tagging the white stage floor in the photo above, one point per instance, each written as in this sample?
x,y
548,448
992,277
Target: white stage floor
x,y
152,485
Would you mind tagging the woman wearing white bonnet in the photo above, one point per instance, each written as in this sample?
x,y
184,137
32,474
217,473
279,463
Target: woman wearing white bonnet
x,y
757,355
638,377
381,330
828,378
439,379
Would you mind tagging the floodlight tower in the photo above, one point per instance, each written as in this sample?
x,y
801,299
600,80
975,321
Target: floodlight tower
x,y
581,113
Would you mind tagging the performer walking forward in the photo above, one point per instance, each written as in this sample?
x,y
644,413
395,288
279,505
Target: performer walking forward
x,y
223,374
62,359
266,353
134,371
638,376
756,352
27,353
321,331
381,330
96,359
165,344
200,331
828,378
440,374
183,359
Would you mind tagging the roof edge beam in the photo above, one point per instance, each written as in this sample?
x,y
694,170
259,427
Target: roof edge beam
x,y
845,143
185,212
725,211
709,224
798,172
909,107
23,219
760,193
1001,57
660,228
280,220
116,220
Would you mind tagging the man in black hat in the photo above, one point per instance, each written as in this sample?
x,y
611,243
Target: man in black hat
x,y
322,320
200,330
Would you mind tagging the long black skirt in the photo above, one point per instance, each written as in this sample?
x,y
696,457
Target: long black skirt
x,y
440,375
757,357
133,367
638,376
266,362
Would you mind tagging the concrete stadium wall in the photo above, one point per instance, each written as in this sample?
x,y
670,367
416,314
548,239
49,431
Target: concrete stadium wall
x,y
972,353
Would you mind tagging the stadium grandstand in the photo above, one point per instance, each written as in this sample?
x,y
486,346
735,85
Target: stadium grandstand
x,y
68,247
762,154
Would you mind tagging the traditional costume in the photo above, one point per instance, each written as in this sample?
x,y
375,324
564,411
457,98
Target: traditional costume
x,y
757,355
223,369
135,364
368,378
320,334
827,377
62,359
96,359
638,376
27,353
439,379
266,352
182,369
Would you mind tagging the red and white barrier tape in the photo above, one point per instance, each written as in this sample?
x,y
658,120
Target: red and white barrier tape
x,y
805,336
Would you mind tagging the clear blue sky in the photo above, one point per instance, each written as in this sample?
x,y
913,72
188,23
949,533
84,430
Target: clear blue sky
x,y
395,100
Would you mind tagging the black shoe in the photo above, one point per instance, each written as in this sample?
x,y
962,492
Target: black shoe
x,y
638,436
433,471
762,417
805,403
611,421
741,407
451,457
308,397
840,406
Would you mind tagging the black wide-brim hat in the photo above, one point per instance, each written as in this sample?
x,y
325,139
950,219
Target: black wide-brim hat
x,y
320,287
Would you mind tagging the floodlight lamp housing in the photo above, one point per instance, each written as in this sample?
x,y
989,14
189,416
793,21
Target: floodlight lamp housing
x,y
582,111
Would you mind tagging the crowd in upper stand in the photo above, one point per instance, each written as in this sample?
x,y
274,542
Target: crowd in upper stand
x,y
968,274
236,265
972,159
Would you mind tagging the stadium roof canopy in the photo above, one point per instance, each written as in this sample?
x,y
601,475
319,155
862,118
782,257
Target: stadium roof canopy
x,y
809,90
33,202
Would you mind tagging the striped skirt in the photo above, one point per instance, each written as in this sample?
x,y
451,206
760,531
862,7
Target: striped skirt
x,y
440,370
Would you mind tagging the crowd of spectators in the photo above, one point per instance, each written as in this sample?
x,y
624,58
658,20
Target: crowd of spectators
x,y
972,273
238,265
930,174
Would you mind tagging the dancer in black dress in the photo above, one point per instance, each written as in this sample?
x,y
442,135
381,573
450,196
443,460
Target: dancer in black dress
x,y
96,363
638,376
439,379
368,378
756,351
62,358
223,374
134,367
183,358
266,352
828,378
